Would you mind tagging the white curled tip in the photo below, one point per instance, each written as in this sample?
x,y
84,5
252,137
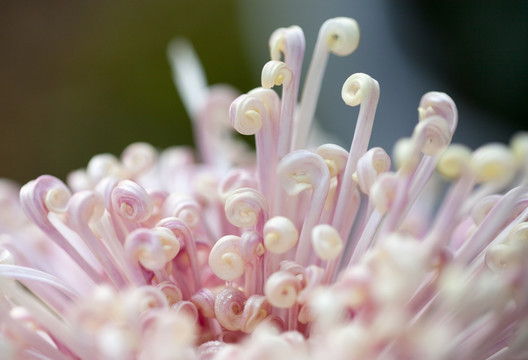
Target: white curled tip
x,y
281,289
183,207
171,292
6,258
326,241
312,278
334,156
132,201
275,73
152,248
370,166
170,245
439,104
256,309
433,135
494,163
246,114
188,75
519,146
280,235
454,161
225,259
483,207
157,331
186,309
104,165
57,198
141,300
302,170
79,180
405,156
500,257
269,98
86,207
138,158
245,207
287,41
43,195
235,179
383,191
229,306
340,35
204,300
360,88
518,239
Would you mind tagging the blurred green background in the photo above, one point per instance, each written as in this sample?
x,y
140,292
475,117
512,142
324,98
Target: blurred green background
x,y
82,78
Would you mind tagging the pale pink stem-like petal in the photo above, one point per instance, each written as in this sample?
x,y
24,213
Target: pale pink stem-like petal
x,y
188,75
131,204
489,227
339,36
30,338
62,265
266,140
369,167
50,289
23,274
358,89
87,207
54,324
105,188
432,130
480,260
258,113
34,200
212,125
302,170
438,120
367,237
278,73
336,158
291,44
184,235
252,250
449,214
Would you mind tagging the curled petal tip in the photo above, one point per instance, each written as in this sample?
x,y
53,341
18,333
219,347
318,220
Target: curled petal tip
x,y
276,73
358,88
341,35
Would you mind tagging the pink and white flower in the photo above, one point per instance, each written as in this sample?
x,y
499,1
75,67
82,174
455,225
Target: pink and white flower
x,y
300,252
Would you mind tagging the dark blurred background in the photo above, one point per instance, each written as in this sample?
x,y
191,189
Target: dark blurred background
x,y
82,78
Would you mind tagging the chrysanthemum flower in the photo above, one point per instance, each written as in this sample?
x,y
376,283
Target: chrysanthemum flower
x,y
302,252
